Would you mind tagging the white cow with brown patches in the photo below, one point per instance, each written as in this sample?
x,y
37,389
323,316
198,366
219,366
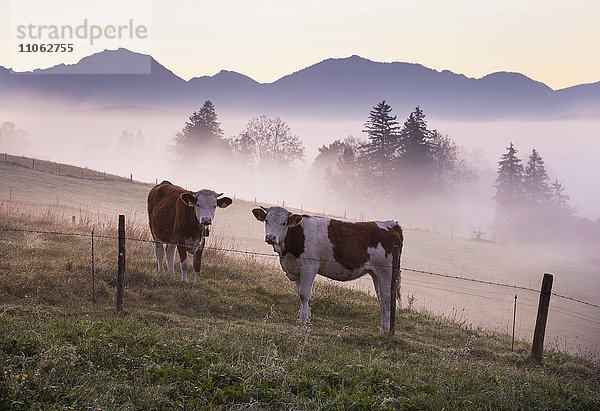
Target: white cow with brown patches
x,y
340,250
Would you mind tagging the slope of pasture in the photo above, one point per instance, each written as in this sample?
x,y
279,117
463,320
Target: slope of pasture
x,y
572,326
101,201
230,340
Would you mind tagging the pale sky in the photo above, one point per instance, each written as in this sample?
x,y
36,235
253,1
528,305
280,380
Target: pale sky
x,y
552,41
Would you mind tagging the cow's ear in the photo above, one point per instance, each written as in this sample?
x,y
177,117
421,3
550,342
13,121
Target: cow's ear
x,y
260,214
224,202
294,220
189,199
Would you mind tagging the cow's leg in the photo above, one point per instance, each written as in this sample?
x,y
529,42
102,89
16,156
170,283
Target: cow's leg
x,y
384,279
160,255
184,262
304,288
198,261
171,258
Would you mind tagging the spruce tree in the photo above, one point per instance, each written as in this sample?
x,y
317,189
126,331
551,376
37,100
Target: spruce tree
x,y
201,132
509,183
561,211
537,189
509,196
415,140
376,156
416,163
557,197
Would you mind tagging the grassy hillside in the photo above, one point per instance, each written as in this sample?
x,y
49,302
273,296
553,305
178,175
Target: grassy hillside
x,y
572,327
230,341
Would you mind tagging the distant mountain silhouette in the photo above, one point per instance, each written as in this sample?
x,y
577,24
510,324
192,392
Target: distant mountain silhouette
x,y
333,88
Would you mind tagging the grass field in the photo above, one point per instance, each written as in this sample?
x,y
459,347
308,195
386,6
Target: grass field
x,y
572,327
230,340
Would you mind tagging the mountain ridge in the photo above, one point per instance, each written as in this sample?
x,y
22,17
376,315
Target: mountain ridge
x,y
334,87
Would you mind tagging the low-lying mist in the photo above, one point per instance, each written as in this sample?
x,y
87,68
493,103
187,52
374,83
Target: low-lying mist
x,y
94,138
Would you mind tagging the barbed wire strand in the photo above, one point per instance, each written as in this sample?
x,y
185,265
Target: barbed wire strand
x,y
590,317
415,281
257,253
559,310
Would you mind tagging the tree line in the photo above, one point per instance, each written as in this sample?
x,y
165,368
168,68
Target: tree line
x,y
395,163
529,204
395,160
264,142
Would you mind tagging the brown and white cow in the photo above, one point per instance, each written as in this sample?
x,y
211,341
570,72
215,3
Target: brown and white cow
x,y
181,219
340,250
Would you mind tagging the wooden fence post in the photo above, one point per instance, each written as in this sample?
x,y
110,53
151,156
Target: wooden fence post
x,y
537,348
512,346
121,272
394,287
93,275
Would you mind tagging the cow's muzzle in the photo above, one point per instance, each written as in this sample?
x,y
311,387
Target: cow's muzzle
x,y
206,227
270,239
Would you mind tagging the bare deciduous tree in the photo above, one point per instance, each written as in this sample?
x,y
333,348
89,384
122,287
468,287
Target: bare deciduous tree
x,y
267,142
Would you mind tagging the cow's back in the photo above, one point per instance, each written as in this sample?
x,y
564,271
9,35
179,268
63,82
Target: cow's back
x,y
351,242
162,210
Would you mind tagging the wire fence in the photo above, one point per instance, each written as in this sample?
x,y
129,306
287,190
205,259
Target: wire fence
x,y
270,255
59,168
582,316
587,323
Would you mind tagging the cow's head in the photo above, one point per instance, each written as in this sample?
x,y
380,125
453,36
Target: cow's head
x,y
204,203
277,221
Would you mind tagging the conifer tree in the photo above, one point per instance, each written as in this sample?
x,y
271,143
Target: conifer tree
x,y
509,196
557,197
415,140
562,213
201,132
537,189
415,163
376,156
509,182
